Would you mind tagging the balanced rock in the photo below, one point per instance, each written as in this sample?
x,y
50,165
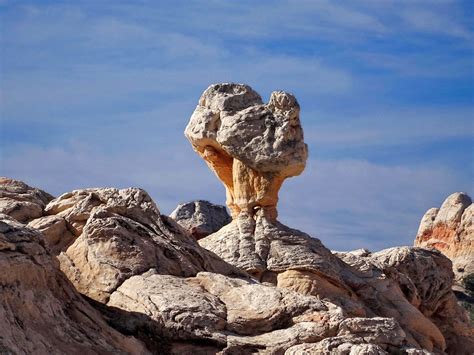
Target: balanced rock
x,y
287,258
40,311
251,146
201,218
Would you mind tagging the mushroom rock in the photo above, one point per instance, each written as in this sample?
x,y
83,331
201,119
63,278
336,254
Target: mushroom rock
x,y
252,147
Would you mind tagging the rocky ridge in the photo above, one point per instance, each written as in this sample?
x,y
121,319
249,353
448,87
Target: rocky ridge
x,y
254,286
450,229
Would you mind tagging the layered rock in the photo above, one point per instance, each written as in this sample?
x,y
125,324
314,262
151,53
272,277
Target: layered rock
x,y
238,316
40,311
242,140
117,234
450,229
201,218
252,147
150,278
20,201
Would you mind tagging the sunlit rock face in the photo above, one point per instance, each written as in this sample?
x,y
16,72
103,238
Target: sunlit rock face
x,y
251,146
450,229
149,277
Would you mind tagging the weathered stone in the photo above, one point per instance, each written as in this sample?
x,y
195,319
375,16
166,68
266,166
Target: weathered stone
x,y
201,218
20,201
120,233
252,147
357,336
451,231
40,311
55,230
425,278
235,315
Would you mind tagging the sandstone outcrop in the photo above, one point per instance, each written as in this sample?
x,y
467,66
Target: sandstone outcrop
x,y
273,253
252,286
118,234
20,201
450,229
201,218
40,311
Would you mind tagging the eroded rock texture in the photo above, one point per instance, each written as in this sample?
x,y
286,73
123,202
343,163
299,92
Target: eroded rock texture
x,y
201,218
150,278
40,311
450,229
227,130
114,234
251,146
20,201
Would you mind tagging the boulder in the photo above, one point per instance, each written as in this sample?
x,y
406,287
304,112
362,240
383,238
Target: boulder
x,y
251,146
450,230
201,218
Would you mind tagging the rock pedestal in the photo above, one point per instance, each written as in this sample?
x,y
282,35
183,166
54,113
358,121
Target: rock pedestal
x,y
252,147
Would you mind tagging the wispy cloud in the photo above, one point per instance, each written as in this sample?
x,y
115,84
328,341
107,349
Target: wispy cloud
x,y
398,126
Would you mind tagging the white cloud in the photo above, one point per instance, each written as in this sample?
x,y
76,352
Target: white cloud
x,y
426,20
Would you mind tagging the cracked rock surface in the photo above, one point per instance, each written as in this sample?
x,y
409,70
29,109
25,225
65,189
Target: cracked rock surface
x,y
119,234
450,229
40,311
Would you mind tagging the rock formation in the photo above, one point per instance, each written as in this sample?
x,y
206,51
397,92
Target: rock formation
x,y
450,229
253,286
117,234
40,311
20,201
201,218
252,147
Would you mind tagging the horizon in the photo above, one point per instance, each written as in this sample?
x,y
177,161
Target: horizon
x,y
98,95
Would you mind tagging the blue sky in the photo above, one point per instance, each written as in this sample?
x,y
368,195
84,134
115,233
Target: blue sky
x,y
97,93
